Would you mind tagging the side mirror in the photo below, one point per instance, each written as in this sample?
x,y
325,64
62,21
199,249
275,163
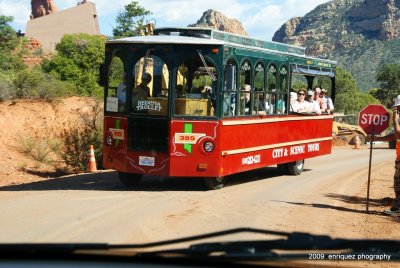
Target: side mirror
x,y
102,75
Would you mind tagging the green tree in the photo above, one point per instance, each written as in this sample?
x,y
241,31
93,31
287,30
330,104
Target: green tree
x,y
130,22
345,82
8,42
353,102
77,61
349,98
10,62
388,76
8,37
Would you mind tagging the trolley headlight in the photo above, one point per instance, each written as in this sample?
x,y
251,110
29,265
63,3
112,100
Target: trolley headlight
x,y
208,146
108,140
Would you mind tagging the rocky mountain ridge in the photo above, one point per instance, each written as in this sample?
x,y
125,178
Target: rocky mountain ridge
x,y
217,20
359,34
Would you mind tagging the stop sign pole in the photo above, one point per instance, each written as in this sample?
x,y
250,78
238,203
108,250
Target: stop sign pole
x,y
373,119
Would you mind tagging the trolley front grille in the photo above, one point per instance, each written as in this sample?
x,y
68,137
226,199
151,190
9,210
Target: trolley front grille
x,y
148,135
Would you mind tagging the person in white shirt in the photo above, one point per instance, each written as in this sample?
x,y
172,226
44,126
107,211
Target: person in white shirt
x,y
293,99
313,106
329,102
121,94
301,105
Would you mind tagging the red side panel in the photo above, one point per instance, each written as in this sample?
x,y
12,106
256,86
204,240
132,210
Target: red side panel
x,y
255,143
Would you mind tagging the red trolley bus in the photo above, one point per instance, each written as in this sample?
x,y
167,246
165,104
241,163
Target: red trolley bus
x,y
192,102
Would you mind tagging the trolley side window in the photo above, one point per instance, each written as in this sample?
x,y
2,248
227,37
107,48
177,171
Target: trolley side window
x,y
282,95
326,83
229,91
196,87
323,83
270,98
245,93
117,86
259,90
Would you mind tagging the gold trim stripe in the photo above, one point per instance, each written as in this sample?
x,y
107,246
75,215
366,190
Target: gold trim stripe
x,y
273,120
265,147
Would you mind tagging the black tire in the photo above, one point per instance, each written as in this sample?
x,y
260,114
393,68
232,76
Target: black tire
x,y
295,168
283,168
215,183
129,180
392,144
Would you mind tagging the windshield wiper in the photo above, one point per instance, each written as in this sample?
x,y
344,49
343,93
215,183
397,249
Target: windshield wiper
x,y
250,249
290,243
210,74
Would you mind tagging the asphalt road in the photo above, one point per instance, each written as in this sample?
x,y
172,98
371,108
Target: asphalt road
x,y
327,198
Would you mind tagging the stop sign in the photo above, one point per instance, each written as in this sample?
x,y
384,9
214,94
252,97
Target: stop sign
x,y
374,119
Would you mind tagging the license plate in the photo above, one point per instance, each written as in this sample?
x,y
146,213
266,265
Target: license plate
x,y
146,161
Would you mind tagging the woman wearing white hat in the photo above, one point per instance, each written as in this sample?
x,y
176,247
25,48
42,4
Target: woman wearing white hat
x,y
314,105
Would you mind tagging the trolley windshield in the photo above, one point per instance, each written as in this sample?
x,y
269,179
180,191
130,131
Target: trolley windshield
x,y
162,80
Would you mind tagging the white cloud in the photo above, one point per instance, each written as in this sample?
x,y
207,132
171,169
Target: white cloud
x,y
260,18
265,20
19,9
190,11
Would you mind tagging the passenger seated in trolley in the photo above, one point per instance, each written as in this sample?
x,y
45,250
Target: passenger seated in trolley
x,y
327,101
273,104
121,93
270,100
301,105
208,93
293,99
314,105
229,104
245,103
141,92
318,97
261,107
180,93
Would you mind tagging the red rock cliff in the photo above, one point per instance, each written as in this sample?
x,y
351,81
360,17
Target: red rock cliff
x,y
42,7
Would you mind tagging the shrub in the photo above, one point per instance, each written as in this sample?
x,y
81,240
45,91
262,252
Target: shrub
x,y
10,62
26,144
39,149
79,137
35,84
6,88
41,152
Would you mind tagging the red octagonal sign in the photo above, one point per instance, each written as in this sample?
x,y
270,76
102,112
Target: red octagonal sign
x,y
374,119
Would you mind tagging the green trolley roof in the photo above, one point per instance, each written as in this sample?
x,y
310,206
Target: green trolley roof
x,y
209,33
208,36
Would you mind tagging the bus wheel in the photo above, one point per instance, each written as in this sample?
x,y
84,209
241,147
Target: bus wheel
x,y
283,168
215,183
392,144
295,168
129,180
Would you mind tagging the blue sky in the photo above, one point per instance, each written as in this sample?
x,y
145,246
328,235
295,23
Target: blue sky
x,y
260,18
